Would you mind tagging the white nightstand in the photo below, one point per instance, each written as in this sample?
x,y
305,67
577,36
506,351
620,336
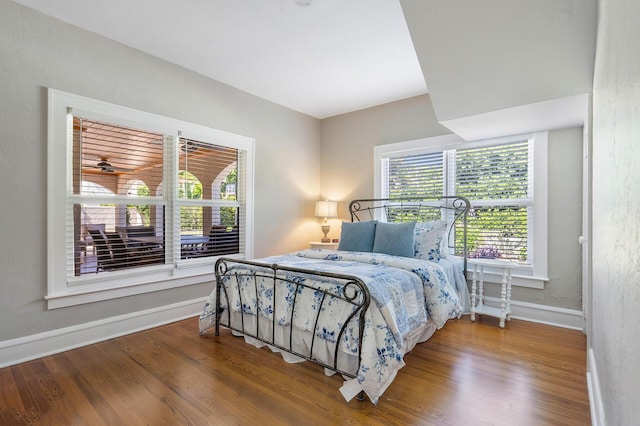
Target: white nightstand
x,y
504,312
326,246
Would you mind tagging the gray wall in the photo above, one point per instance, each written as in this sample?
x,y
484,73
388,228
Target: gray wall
x,y
348,141
347,173
614,344
37,52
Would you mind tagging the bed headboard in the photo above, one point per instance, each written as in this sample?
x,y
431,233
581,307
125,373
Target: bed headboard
x,y
453,209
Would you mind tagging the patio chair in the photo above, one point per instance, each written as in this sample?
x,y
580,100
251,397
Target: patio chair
x,y
145,252
106,261
223,240
85,237
120,253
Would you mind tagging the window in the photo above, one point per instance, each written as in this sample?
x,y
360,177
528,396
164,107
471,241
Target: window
x,y
505,180
496,179
139,202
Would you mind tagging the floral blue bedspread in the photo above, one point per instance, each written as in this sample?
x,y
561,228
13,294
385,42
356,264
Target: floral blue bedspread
x,y
405,293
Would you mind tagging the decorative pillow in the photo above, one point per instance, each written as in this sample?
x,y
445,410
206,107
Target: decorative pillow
x,y
357,236
395,238
428,240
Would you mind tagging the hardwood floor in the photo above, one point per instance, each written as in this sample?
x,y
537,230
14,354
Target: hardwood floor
x,y
467,374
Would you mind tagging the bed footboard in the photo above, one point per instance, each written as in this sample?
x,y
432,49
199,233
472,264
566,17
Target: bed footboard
x,y
317,316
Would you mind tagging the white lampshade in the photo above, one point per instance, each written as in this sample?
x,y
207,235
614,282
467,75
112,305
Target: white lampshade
x,y
326,208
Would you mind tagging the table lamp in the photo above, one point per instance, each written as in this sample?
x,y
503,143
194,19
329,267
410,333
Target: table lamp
x,y
326,209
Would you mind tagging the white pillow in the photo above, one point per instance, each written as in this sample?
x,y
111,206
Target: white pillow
x,y
428,237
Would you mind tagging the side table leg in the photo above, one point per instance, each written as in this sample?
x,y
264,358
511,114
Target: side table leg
x,y
503,298
509,295
473,293
481,287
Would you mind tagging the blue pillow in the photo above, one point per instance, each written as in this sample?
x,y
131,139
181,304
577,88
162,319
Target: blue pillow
x,y
357,236
394,238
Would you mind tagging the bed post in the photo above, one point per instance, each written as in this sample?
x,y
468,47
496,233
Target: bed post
x,y
221,269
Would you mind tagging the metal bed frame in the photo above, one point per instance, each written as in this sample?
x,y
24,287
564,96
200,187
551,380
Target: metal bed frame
x,y
347,289
454,209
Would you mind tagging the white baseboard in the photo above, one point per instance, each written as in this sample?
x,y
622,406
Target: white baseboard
x,y
23,349
559,317
595,395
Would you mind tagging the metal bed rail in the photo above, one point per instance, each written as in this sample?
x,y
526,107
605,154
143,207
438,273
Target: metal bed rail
x,y
454,209
346,289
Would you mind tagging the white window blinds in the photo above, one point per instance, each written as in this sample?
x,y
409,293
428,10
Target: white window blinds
x,y
118,211
497,181
131,208
209,199
493,172
415,175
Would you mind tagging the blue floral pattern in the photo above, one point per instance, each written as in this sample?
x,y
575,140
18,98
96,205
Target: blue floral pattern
x,y
428,238
406,295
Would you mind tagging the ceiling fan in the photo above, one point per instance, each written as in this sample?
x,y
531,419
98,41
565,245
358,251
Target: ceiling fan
x,y
106,167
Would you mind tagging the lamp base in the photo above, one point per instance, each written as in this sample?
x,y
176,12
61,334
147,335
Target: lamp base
x,y
325,230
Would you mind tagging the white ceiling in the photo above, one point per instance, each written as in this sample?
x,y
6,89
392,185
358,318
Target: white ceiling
x,y
331,57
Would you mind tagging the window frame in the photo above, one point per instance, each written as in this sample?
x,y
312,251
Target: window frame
x,y
63,290
533,276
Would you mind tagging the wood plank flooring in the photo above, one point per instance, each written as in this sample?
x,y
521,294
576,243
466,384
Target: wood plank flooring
x,y
467,374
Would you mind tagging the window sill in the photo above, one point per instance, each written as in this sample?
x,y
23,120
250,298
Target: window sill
x,y
122,284
527,281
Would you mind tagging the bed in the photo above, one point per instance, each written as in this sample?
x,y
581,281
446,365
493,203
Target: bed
x,y
398,276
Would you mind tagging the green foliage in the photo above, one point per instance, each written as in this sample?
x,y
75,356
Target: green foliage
x,y
229,215
189,186
143,210
190,218
232,178
487,173
416,175
501,230
494,173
